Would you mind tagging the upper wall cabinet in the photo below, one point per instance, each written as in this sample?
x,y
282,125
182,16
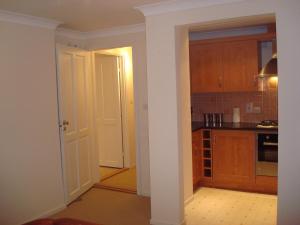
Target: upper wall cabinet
x,y
230,66
240,66
206,68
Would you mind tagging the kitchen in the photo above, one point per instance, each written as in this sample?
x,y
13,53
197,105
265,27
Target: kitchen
x,y
234,99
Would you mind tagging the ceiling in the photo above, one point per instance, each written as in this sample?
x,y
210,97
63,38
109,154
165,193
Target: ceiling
x,y
82,15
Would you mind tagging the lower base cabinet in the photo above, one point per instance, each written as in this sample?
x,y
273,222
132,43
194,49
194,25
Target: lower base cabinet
x,y
266,184
233,158
226,159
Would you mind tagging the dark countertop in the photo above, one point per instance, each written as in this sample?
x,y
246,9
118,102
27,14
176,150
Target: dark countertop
x,y
231,126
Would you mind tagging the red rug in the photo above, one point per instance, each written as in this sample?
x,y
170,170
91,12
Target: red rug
x,y
63,221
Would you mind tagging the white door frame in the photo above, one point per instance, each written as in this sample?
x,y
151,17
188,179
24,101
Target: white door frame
x,y
95,178
124,114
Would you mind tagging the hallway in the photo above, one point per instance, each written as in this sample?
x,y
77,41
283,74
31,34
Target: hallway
x,y
118,179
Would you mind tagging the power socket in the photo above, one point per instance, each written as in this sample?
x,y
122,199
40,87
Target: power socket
x,y
249,107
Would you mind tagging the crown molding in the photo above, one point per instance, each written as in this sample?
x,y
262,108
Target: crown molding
x,y
69,33
28,20
115,31
179,5
108,32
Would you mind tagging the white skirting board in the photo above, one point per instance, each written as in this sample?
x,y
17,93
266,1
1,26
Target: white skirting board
x,y
188,200
158,222
48,213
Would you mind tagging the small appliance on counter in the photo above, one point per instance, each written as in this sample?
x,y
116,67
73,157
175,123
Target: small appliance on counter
x,y
268,124
236,115
213,119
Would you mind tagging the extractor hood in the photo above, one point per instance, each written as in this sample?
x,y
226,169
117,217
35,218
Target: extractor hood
x,y
270,69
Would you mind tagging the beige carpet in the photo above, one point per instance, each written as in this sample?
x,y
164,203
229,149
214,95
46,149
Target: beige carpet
x,y
123,180
109,208
107,171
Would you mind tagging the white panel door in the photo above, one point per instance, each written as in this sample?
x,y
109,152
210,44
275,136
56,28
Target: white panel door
x,y
74,95
108,110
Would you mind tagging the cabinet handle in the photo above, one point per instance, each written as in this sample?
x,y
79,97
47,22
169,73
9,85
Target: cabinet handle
x,y
254,79
270,144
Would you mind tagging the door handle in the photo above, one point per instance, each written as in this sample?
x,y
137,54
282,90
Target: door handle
x,y
64,124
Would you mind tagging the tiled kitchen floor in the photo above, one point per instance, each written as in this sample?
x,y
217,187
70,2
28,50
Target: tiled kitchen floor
x,y
223,207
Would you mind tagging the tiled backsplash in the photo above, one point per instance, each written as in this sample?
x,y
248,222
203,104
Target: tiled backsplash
x,y
225,102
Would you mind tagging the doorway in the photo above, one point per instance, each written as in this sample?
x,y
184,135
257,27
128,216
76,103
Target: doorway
x,y
114,116
209,142
97,117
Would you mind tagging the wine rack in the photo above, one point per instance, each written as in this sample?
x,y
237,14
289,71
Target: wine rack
x,y
207,154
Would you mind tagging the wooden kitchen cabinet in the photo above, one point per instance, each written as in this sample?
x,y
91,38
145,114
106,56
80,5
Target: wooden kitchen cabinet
x,y
206,68
233,159
229,66
266,184
226,159
196,155
240,66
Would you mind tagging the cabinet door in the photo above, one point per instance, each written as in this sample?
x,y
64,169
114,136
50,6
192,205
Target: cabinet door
x,y
233,158
240,66
206,69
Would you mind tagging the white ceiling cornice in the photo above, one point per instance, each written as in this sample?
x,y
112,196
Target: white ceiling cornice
x,y
178,5
115,31
70,33
28,20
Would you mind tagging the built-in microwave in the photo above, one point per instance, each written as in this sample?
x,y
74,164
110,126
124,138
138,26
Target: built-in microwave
x,y
267,154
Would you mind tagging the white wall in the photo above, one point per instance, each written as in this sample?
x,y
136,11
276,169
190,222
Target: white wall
x,y
69,41
130,106
138,43
288,33
30,166
165,164
184,109
163,97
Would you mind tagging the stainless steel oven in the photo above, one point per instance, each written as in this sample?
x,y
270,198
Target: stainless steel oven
x,y
267,154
